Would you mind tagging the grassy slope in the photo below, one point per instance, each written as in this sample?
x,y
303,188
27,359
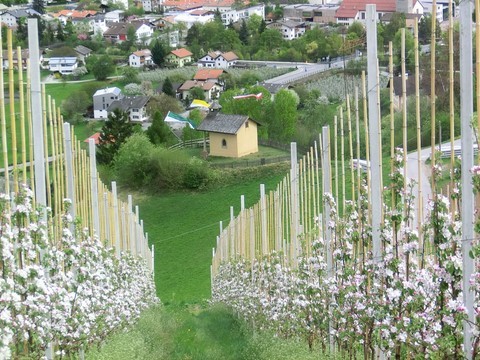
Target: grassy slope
x,y
183,227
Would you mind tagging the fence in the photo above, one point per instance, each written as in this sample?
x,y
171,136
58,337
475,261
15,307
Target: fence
x,y
351,276
42,153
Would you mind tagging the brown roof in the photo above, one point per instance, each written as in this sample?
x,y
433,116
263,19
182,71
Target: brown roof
x,y
204,85
181,53
122,28
350,8
144,52
205,74
230,56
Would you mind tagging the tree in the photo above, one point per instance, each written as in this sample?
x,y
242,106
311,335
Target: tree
x,y
193,34
263,26
130,75
158,53
284,119
167,87
101,67
133,165
164,103
396,23
425,29
158,132
115,131
197,93
243,34
76,104
357,28
60,32
39,6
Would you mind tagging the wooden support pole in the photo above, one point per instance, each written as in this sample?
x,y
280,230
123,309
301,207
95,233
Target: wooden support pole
x,y
13,121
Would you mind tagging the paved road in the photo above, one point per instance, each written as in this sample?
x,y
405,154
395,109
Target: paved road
x,y
304,70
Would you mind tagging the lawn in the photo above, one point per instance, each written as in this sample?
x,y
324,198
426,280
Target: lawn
x,y
183,227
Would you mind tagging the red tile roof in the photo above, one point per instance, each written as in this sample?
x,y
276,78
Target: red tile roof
x,y
95,137
181,53
189,4
350,8
205,74
75,13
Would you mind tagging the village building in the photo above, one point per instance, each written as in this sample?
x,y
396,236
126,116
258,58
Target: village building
x,y
179,57
135,106
230,135
102,99
217,59
63,65
140,58
289,29
211,89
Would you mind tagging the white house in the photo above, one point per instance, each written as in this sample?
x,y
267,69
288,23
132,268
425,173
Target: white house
x,y
102,99
135,106
10,17
115,16
217,59
117,32
289,29
232,16
63,65
140,58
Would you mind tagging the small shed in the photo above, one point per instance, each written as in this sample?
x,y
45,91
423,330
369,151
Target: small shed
x,y
230,135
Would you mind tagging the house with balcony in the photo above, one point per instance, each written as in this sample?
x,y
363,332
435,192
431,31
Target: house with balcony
x,y
135,106
211,89
102,99
217,59
63,65
11,17
232,16
290,29
179,57
140,58
118,32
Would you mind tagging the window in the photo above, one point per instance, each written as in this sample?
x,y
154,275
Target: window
x,y
246,124
224,144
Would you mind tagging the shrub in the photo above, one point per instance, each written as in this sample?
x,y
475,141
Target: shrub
x,y
196,175
133,162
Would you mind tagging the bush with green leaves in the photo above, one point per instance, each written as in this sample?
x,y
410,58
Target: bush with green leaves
x,y
133,161
141,164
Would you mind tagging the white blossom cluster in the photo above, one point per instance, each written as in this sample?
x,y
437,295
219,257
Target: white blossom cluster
x,y
409,301
69,292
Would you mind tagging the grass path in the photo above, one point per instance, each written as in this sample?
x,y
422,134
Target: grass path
x,y
183,227
198,333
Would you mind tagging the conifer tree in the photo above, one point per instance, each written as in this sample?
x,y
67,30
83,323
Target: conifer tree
x,y
115,131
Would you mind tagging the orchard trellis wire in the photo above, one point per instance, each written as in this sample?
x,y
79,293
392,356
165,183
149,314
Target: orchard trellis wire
x,y
75,262
386,271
